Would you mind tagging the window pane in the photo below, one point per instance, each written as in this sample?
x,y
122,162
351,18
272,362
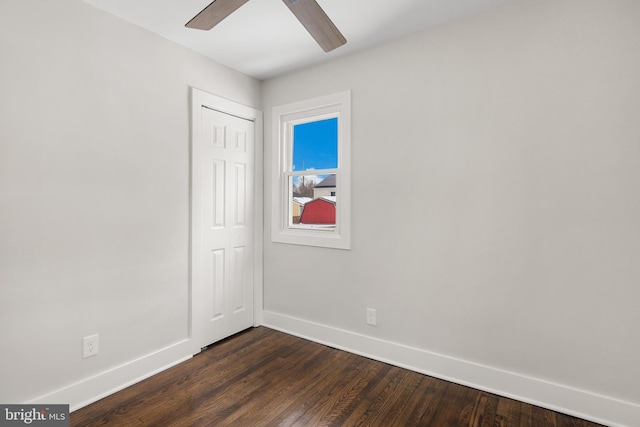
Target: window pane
x,y
315,145
313,201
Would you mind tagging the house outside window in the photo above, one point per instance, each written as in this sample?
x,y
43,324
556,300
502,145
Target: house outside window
x,y
326,187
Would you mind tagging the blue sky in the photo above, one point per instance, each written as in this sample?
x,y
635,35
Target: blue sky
x,y
315,144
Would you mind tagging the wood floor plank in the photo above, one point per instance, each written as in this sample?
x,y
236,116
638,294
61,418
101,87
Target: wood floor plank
x,y
483,411
262,377
380,402
296,396
507,413
315,393
425,407
413,399
349,385
398,406
543,417
526,415
286,377
451,410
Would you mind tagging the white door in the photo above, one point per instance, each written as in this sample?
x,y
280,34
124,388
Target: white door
x,y
223,195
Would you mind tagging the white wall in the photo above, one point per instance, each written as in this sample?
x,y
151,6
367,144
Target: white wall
x,y
507,148
94,196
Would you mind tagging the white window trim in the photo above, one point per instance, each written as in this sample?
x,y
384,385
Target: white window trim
x,y
281,232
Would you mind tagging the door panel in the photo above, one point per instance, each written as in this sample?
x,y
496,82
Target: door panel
x,y
223,197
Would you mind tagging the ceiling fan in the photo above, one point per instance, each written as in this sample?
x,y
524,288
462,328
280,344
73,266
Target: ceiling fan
x,y
308,12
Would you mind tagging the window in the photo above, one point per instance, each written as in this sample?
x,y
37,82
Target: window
x,y
311,179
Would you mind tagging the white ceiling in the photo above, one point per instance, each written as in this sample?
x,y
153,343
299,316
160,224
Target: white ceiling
x,y
263,39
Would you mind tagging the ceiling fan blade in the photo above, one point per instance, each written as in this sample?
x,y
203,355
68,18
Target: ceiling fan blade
x,y
211,15
317,23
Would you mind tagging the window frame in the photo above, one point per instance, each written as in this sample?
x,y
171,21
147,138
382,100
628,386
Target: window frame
x,y
284,117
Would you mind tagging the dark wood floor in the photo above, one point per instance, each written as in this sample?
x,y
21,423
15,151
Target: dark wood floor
x,y
262,377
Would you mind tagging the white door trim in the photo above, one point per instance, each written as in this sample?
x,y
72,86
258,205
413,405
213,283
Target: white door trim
x,y
201,98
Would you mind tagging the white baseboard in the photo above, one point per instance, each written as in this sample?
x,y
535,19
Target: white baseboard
x,y
557,397
89,390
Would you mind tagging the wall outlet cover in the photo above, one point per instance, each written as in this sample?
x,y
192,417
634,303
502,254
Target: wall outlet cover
x,y
90,346
371,316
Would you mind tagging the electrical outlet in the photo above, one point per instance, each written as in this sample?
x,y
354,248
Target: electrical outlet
x,y
371,316
90,346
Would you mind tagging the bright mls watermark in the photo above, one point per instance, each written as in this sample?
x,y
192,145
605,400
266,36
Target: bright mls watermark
x,y
34,415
